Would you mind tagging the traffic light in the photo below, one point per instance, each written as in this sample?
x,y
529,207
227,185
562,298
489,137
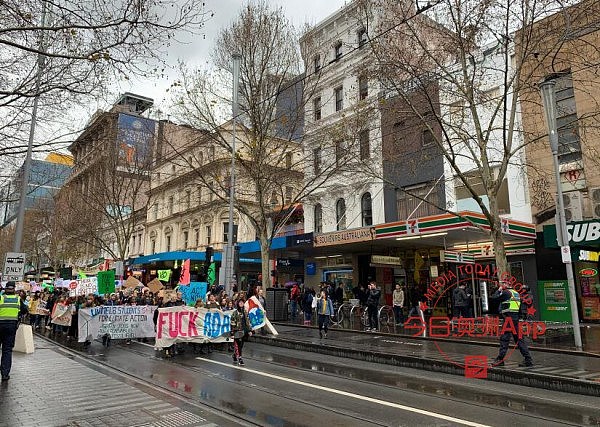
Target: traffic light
x,y
208,259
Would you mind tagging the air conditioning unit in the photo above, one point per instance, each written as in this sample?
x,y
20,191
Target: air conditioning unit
x,y
595,199
573,204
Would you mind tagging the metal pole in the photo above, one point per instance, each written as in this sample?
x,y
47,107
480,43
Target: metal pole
x,y
27,165
229,247
549,101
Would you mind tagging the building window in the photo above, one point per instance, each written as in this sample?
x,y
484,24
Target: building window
x,y
317,63
339,98
155,210
362,37
199,194
317,160
363,87
337,51
339,153
288,160
200,158
186,238
208,234
153,246
168,243
211,191
188,198
288,195
226,232
340,214
419,201
365,146
318,225
212,152
427,137
197,237
317,108
569,144
170,205
366,205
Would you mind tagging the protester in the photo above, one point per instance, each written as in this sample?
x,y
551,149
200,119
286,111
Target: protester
x,y
34,317
307,306
373,296
324,311
240,330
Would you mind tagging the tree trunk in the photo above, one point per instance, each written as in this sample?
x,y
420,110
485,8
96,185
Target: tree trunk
x,y
265,248
498,239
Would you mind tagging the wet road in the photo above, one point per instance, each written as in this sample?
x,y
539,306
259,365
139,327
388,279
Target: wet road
x,y
285,388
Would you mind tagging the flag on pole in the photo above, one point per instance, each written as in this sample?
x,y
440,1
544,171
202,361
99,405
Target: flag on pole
x,y
211,275
184,277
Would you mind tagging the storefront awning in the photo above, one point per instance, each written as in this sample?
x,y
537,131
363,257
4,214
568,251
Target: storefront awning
x,y
582,234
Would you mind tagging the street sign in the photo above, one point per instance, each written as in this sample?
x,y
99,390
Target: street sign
x,y
14,266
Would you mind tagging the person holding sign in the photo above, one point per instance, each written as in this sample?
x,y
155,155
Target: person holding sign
x,y
240,330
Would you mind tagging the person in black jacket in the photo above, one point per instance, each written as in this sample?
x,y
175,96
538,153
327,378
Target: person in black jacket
x,y
373,295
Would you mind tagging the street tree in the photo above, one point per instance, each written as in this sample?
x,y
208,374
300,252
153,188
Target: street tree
x,y
273,94
455,68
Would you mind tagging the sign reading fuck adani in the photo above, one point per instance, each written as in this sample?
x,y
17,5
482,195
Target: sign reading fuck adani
x,y
199,325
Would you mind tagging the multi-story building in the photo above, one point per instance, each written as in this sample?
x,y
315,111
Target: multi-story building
x,y
105,198
564,48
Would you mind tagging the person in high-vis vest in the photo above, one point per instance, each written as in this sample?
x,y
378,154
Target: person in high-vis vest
x,y
510,305
11,307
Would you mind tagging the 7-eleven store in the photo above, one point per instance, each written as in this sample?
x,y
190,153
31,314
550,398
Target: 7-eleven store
x,y
421,244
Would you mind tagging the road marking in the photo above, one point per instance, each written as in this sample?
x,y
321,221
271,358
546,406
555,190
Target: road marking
x,y
348,394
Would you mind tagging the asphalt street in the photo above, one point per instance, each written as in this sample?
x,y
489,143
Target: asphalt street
x,y
283,387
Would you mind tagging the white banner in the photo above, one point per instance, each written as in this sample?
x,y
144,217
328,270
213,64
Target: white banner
x,y
189,324
84,287
118,321
61,315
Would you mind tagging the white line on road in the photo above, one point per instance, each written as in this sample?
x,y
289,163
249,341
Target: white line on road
x,y
348,394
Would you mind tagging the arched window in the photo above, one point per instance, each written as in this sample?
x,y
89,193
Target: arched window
x,y
340,214
318,225
367,210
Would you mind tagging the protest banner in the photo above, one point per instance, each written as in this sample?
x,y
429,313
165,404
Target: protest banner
x,y
189,324
155,286
164,275
87,286
184,277
193,291
118,321
106,282
257,315
61,315
23,286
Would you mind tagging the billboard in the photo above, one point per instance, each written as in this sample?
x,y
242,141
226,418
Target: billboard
x,y
134,139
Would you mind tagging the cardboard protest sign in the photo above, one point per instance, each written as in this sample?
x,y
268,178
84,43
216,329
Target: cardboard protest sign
x,y
106,282
164,275
132,282
184,277
193,291
61,315
41,309
119,322
155,286
167,294
25,286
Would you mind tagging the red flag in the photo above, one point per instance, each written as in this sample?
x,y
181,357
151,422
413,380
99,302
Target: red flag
x,y
184,277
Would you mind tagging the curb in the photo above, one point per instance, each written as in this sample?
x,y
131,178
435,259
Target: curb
x,y
523,378
570,352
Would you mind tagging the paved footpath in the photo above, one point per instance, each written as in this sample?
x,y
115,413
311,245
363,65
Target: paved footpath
x,y
53,388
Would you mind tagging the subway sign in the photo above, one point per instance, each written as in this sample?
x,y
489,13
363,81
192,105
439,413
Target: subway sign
x,y
581,233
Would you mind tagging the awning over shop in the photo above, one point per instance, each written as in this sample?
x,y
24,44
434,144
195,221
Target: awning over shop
x,y
183,255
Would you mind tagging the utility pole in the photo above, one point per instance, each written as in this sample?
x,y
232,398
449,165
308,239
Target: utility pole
x,y
229,247
549,100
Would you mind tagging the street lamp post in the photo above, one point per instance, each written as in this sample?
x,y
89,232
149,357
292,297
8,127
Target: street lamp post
x,y
229,246
549,100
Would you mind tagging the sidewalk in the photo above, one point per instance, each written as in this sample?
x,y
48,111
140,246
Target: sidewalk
x,y
51,388
556,370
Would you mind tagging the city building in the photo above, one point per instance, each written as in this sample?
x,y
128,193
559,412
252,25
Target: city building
x,y
565,44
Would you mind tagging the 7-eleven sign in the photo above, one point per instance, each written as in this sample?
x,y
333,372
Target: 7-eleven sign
x,y
505,225
412,226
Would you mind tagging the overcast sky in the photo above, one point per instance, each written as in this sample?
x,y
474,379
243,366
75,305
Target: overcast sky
x,y
196,50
